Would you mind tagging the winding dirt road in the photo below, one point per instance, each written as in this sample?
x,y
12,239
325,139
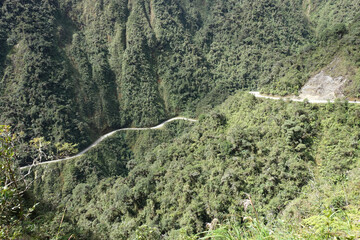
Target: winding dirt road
x,y
108,135
295,99
256,94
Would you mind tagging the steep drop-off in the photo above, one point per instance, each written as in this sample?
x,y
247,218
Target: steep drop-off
x,y
178,179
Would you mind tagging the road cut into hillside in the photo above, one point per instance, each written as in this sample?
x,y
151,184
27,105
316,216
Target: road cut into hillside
x,y
296,99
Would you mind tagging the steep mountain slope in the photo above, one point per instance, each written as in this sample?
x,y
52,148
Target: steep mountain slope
x,y
274,150
71,70
335,27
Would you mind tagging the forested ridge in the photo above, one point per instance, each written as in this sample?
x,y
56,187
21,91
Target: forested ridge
x,y
73,70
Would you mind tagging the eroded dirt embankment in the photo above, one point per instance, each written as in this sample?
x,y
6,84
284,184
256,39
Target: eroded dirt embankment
x,y
329,83
323,87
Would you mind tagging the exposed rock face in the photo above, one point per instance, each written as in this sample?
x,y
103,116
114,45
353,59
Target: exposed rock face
x,y
323,87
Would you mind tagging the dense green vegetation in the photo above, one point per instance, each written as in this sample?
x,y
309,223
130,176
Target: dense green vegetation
x,y
72,70
297,160
336,27
90,178
14,212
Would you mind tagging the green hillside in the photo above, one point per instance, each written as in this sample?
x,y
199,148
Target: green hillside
x,y
297,160
335,36
74,70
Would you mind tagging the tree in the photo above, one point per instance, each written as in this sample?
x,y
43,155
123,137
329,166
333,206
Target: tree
x,y
12,187
66,149
42,149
